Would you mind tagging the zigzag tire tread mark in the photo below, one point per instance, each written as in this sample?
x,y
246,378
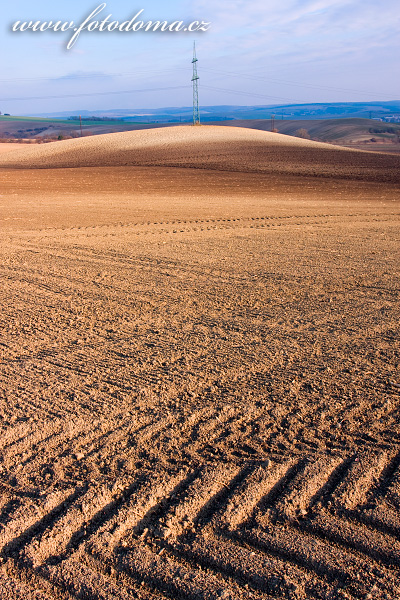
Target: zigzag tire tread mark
x,y
292,529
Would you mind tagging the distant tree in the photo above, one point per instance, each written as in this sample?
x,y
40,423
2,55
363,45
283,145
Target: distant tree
x,y
383,130
302,133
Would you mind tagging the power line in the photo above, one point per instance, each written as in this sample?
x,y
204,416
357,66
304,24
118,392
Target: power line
x,y
295,83
90,94
218,89
90,76
217,71
177,87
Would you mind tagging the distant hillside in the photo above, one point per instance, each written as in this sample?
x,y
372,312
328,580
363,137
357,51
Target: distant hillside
x,y
224,112
41,129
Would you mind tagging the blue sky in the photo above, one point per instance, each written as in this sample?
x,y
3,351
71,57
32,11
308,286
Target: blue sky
x,y
256,52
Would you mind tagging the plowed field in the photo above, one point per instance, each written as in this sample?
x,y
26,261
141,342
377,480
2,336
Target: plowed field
x,y
199,376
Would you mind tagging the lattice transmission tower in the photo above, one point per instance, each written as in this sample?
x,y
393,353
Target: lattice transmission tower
x,y
195,81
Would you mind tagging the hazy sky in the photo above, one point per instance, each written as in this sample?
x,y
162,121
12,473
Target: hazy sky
x,y
256,52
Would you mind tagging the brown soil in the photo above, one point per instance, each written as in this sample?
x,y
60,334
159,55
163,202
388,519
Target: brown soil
x,y
376,147
9,146
349,132
210,147
199,372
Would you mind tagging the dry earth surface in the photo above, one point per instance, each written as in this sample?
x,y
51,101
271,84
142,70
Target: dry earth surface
x,y
199,369
362,134
12,146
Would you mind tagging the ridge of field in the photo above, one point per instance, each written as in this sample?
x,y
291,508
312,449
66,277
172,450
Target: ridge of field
x,y
339,130
358,133
210,147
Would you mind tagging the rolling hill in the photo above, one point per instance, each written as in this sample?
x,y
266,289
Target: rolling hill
x,y
209,147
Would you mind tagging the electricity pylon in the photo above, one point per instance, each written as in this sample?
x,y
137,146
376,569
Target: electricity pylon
x,y
195,80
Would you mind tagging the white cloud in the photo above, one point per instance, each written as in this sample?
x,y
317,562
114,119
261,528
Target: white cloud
x,y
322,17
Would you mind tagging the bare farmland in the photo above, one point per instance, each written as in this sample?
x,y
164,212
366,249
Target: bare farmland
x,y
199,370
